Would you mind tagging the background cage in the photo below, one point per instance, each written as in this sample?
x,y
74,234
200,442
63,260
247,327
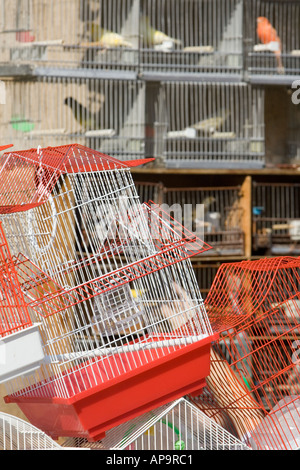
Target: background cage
x,y
276,218
194,36
150,191
210,125
215,213
107,115
111,282
72,34
273,50
17,434
205,273
255,306
176,426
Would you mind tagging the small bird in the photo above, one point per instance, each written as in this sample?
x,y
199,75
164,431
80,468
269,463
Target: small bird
x,y
83,116
153,37
212,124
267,34
107,39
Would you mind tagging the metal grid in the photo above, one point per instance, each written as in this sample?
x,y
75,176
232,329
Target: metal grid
x,y
150,192
17,434
109,279
107,115
194,36
179,425
255,305
276,218
272,38
205,273
215,213
210,125
69,34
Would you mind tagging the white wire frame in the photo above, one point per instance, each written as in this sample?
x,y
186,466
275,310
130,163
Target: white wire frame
x,y
177,426
210,125
17,434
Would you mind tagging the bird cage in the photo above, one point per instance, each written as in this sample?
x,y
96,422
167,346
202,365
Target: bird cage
x,y
176,426
69,35
255,307
215,213
222,125
276,218
111,283
17,434
188,37
272,40
107,115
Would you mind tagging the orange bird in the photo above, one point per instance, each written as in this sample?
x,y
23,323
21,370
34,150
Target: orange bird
x,y
266,34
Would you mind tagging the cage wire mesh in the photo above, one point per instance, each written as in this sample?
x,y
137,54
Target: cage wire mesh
x,y
17,434
215,212
272,38
209,125
191,36
70,34
255,305
205,273
107,115
178,425
109,279
149,191
276,218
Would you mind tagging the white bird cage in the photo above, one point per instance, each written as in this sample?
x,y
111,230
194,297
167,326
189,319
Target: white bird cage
x,y
107,115
184,37
215,212
177,426
273,42
276,218
210,125
70,34
110,281
17,434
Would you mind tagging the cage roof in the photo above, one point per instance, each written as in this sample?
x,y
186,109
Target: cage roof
x,y
27,177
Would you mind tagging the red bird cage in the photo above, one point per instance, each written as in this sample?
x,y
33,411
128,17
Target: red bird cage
x,y
253,387
110,281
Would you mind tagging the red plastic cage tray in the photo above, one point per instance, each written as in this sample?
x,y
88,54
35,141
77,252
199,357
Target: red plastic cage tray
x,y
91,413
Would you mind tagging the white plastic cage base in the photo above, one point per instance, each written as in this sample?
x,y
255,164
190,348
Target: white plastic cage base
x,y
21,353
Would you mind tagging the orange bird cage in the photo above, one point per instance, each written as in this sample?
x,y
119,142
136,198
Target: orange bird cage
x,y
253,388
110,281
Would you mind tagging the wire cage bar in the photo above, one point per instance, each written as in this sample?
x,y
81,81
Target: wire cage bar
x,y
17,434
205,273
255,306
107,115
214,212
110,281
272,40
276,218
210,125
150,192
71,35
188,37
176,426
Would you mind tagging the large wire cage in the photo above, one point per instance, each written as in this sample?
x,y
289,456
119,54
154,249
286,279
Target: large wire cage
x,y
272,41
255,307
210,125
111,283
276,218
41,37
177,426
17,434
214,212
107,115
188,37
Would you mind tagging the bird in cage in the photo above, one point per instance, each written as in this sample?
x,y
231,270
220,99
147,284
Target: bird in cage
x,y
154,37
105,38
267,34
